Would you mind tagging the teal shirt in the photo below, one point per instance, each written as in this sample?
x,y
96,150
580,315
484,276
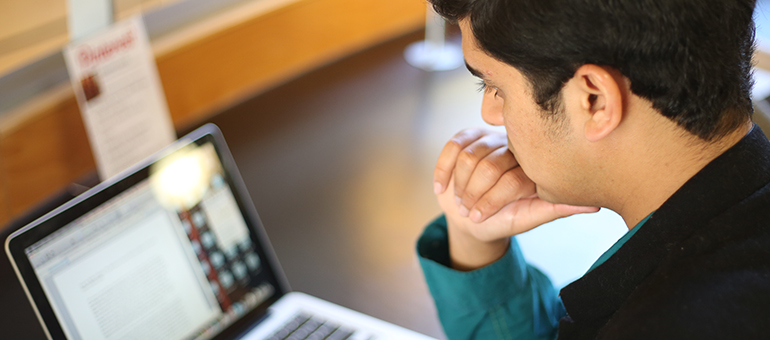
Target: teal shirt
x,y
508,299
607,254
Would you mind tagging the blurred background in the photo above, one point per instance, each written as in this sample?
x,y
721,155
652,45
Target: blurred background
x,y
335,134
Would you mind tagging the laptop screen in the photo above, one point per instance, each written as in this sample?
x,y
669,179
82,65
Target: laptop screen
x,y
170,257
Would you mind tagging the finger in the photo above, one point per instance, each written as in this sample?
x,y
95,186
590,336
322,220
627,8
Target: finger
x,y
512,186
448,157
470,157
488,173
532,212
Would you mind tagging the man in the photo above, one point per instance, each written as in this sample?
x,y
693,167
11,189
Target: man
x,y
639,106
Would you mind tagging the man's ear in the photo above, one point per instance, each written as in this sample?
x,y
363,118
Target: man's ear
x,y
600,100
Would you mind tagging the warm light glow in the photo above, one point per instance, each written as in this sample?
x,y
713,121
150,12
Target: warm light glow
x,y
180,180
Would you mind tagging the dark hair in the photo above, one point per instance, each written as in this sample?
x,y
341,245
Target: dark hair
x,y
690,58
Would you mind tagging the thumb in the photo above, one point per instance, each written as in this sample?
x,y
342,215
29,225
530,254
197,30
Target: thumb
x,y
531,212
568,210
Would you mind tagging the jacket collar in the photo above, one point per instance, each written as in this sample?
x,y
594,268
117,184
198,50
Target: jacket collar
x,y
728,179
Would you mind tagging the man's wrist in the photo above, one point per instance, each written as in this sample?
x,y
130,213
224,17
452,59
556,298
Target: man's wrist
x,y
468,252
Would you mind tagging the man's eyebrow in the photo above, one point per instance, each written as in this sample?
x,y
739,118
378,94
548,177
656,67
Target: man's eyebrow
x,y
473,71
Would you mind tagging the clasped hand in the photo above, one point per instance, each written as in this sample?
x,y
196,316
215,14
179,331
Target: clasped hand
x,y
487,197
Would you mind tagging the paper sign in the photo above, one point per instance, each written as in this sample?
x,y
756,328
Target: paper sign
x,y
121,100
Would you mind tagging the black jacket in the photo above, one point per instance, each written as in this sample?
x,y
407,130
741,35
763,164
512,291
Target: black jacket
x,y
699,268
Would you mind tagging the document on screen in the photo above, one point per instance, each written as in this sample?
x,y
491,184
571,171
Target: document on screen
x,y
139,280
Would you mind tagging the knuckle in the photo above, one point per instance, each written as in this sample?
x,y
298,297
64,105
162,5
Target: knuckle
x,y
485,206
462,137
470,132
470,197
454,145
455,142
440,173
467,158
495,201
506,154
512,180
489,170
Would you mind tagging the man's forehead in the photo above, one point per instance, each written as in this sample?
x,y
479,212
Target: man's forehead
x,y
470,49
469,41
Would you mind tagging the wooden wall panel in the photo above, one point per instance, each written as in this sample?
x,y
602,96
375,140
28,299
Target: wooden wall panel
x,y
45,150
33,29
282,44
43,155
21,17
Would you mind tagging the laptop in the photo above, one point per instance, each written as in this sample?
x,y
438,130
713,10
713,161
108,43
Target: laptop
x,y
171,249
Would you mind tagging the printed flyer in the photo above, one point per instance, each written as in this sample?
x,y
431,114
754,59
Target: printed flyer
x,y
116,83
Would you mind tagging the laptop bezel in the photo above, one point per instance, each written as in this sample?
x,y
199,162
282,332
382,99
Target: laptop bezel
x,y
35,231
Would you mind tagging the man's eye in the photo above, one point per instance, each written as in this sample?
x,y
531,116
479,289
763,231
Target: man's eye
x,y
483,87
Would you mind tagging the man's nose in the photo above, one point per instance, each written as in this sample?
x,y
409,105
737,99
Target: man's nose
x,y
492,110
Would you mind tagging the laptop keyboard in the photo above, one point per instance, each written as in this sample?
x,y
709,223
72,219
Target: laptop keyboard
x,y
308,327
